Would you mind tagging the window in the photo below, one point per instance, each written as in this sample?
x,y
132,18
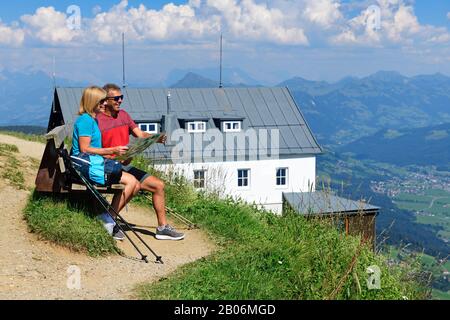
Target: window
x,y
196,126
149,127
282,176
199,178
243,177
231,126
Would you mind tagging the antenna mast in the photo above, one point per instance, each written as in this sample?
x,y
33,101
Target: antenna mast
x,y
124,84
220,80
54,72
54,84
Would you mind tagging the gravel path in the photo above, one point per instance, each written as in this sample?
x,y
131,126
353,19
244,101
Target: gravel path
x,y
34,269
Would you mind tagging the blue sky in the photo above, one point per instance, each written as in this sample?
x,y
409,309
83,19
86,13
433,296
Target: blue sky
x,y
269,41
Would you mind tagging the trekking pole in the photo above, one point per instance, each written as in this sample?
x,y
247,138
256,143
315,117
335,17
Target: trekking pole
x,y
184,220
105,204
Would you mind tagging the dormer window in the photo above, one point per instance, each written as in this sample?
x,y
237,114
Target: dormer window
x,y
151,127
196,126
231,126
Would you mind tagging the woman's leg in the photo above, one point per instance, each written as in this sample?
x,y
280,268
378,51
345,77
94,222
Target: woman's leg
x,y
121,199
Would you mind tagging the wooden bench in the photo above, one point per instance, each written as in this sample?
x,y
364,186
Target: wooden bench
x,y
53,176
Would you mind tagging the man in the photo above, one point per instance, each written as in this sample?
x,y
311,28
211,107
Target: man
x,y
116,126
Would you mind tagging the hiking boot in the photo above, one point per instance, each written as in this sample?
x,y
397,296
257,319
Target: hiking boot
x,y
117,233
167,232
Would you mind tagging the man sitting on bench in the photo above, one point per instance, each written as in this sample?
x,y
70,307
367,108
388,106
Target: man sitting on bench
x,y
115,125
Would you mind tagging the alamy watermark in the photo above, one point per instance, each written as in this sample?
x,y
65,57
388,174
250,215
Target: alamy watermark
x,y
73,278
216,146
374,17
374,279
73,21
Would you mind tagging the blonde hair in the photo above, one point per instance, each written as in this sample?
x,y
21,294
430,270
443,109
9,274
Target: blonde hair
x,y
92,96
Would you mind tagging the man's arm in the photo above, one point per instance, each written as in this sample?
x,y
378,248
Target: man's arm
x,y
138,133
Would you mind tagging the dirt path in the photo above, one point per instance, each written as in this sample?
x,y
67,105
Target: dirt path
x,y
33,269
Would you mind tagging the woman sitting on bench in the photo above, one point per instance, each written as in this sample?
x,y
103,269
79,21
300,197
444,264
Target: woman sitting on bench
x,y
86,149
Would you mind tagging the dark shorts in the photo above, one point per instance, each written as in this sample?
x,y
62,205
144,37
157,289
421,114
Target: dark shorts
x,y
139,174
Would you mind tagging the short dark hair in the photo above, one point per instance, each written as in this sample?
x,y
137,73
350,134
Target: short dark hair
x,y
111,86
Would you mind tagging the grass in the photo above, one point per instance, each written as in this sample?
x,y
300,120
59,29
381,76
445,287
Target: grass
x,y
267,257
262,256
11,171
25,136
68,222
434,266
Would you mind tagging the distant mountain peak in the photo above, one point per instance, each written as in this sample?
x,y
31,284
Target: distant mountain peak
x,y
193,80
387,76
230,75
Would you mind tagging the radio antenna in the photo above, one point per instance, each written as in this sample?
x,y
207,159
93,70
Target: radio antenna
x,y
221,56
124,84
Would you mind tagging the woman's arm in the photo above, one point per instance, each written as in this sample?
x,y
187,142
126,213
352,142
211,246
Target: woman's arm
x,y
85,143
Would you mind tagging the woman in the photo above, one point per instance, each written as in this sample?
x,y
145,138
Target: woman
x,y
87,142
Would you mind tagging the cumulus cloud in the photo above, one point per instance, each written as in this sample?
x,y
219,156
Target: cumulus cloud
x,y
10,36
388,22
197,19
49,26
142,24
323,12
249,20
287,22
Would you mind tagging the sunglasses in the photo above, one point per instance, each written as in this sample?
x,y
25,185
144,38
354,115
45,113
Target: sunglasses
x,y
116,98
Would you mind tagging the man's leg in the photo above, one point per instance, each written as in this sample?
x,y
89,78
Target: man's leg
x,y
156,186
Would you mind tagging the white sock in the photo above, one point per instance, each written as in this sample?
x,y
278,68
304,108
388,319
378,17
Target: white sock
x,y
108,222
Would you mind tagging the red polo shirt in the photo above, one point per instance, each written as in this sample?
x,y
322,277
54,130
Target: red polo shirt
x,y
115,131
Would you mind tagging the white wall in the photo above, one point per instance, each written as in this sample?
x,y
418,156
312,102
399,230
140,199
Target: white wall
x,y
222,177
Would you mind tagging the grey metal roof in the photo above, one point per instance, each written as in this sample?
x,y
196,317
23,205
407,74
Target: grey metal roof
x,y
258,108
320,202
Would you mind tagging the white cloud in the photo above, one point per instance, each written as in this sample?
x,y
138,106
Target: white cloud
x,y
249,20
448,15
287,22
10,36
323,12
141,24
442,38
49,26
398,25
198,20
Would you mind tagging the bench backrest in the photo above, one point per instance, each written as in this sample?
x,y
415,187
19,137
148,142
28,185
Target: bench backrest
x,y
53,175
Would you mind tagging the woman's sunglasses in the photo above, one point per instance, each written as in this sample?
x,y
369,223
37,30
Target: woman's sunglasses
x,y
116,98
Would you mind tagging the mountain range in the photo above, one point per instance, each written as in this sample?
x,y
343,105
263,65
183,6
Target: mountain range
x,y
26,98
352,108
418,146
338,113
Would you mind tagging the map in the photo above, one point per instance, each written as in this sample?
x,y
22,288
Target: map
x,y
139,146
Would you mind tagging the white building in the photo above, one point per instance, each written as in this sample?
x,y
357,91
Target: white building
x,y
250,143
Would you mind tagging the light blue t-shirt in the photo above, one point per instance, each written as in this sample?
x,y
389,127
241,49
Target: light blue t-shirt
x,y
86,126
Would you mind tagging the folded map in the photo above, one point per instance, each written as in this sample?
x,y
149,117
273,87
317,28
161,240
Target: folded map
x,y
138,146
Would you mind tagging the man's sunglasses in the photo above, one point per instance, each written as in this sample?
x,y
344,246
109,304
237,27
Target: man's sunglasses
x,y
116,98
